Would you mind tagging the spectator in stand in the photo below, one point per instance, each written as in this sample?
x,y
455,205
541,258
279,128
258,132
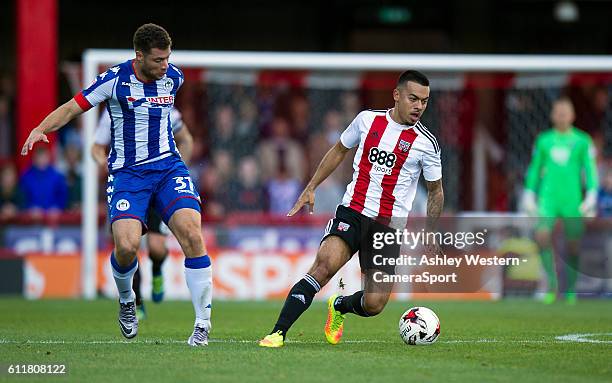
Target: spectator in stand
x,y
72,172
604,198
328,135
211,193
351,106
11,198
280,147
283,190
223,162
247,129
266,105
224,136
300,118
333,126
43,176
247,193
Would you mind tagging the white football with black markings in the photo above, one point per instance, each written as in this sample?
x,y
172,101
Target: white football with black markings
x,y
419,326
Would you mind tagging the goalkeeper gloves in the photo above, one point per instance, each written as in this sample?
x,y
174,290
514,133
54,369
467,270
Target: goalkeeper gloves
x,y
588,207
528,203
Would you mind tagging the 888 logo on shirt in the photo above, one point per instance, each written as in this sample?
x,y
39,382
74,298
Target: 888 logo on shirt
x,y
381,160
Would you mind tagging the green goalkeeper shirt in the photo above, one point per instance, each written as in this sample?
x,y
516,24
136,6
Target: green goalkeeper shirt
x,y
560,159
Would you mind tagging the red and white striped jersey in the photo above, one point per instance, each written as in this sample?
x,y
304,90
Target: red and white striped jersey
x,y
388,164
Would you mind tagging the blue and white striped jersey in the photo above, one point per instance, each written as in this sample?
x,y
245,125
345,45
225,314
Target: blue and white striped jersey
x,y
102,135
141,131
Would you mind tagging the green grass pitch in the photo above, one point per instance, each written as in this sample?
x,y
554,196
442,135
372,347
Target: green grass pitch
x,y
507,341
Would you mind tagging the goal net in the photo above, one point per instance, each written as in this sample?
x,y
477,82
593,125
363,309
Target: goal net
x,y
484,110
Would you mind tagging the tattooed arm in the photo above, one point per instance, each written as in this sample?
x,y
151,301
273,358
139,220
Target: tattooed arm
x,y
435,202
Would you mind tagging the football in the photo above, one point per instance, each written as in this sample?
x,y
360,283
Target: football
x,y
419,326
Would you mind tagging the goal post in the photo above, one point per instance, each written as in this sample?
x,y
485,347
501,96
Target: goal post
x,y
534,69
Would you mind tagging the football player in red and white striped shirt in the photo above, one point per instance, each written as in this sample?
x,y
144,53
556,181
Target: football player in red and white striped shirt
x,y
393,149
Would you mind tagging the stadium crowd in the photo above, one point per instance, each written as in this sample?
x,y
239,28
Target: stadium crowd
x,y
254,148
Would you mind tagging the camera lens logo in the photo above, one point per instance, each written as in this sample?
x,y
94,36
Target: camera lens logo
x,y
123,205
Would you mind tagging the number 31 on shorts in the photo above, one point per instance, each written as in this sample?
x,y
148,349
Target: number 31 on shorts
x,y
182,183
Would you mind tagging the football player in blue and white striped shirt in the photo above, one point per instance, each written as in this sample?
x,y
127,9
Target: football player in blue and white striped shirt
x,y
145,168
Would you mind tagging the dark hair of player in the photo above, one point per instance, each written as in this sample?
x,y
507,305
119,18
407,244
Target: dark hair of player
x,y
414,76
150,36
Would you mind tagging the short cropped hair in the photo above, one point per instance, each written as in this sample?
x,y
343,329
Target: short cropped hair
x,y
150,36
414,76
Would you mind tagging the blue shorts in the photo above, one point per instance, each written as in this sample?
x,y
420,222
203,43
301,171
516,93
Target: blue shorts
x,y
164,185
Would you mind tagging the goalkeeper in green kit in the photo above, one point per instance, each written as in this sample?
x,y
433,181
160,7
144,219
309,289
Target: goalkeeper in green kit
x,y
562,166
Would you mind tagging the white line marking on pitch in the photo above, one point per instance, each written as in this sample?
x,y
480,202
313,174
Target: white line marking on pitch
x,y
581,338
584,338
